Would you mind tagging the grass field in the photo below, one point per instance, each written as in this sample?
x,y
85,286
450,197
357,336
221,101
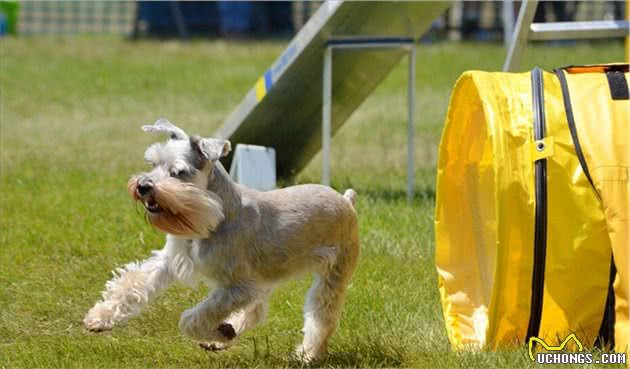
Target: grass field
x,y
70,111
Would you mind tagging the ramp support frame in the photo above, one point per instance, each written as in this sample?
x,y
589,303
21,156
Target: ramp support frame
x,y
363,43
526,30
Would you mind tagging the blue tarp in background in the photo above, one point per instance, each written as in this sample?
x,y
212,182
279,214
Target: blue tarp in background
x,y
223,18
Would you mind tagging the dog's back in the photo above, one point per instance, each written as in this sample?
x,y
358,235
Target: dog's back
x,y
302,220
311,203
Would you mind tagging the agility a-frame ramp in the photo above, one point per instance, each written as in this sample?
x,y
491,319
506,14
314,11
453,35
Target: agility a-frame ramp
x,y
284,110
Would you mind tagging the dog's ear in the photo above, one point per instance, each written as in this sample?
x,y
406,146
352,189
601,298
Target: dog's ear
x,y
210,148
163,125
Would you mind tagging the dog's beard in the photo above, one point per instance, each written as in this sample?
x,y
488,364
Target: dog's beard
x,y
183,209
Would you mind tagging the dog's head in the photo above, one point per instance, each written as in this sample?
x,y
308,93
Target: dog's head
x,y
174,192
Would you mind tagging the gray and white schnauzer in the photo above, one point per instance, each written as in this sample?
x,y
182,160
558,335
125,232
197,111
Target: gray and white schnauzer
x,y
241,241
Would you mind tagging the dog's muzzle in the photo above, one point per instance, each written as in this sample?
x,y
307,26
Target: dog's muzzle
x,y
144,193
178,207
152,206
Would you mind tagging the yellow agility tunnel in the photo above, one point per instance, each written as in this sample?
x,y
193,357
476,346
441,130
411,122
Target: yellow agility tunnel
x,y
532,212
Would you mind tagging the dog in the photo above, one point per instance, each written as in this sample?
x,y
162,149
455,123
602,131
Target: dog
x,y
242,242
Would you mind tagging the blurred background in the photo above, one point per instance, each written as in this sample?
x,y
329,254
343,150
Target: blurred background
x,y
468,20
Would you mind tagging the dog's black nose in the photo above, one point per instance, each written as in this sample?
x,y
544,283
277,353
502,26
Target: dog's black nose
x,y
144,188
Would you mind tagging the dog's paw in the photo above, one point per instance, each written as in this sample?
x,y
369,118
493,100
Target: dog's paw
x,y
215,346
228,333
309,356
99,318
193,325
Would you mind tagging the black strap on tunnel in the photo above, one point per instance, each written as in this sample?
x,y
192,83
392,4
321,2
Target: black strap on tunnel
x,y
606,336
568,110
618,85
540,223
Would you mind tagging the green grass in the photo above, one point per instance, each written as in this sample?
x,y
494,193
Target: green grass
x,y
70,111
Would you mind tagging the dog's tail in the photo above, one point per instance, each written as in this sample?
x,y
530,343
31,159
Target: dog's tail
x,y
350,195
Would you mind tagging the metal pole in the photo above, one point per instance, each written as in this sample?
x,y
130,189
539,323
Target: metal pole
x,y
327,101
507,9
579,30
410,124
326,115
182,28
520,35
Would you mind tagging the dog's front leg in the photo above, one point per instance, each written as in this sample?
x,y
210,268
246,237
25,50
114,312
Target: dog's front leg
x,y
133,287
206,321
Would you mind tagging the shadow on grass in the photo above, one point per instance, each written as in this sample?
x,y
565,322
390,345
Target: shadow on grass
x,y
372,352
376,352
362,359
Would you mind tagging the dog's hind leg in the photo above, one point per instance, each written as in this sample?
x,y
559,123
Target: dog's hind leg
x,y
324,303
132,288
207,320
241,321
247,318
